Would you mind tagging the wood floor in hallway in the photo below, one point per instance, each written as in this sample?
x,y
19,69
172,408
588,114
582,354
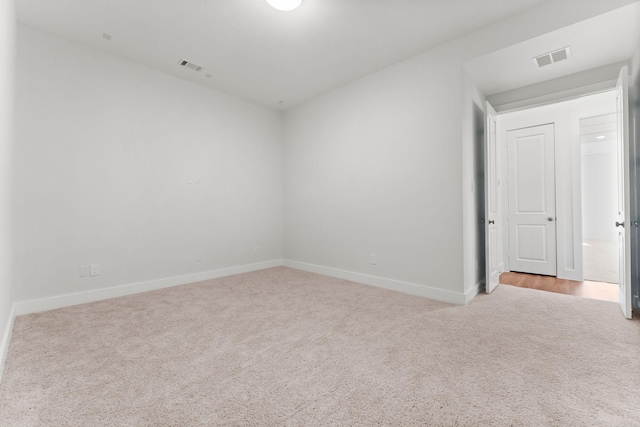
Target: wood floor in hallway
x,y
586,289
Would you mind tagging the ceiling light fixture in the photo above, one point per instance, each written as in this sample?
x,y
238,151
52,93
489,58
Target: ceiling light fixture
x,y
600,137
284,5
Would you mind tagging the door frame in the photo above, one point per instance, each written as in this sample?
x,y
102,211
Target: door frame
x,y
568,173
567,170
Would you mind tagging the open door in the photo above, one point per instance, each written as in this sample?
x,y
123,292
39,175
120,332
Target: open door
x,y
623,222
492,213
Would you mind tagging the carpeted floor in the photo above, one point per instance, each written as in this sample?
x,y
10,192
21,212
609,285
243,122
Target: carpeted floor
x,y
286,347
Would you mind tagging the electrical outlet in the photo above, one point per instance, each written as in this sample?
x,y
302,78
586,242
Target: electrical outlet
x,y
84,271
256,250
95,269
372,259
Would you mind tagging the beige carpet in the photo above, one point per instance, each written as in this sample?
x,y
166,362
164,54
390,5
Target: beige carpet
x,y
285,347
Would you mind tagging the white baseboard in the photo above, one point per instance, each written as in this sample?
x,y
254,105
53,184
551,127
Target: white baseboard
x,y
395,285
475,290
6,338
51,303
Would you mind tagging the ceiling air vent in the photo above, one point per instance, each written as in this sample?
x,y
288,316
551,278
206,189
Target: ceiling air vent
x,y
191,65
552,57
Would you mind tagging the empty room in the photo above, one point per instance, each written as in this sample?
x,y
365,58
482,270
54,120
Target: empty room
x,y
309,212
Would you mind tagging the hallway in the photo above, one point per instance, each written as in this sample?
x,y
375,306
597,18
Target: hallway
x,y
586,289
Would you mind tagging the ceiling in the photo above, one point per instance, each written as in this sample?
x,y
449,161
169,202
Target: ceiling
x,y
280,59
248,49
601,40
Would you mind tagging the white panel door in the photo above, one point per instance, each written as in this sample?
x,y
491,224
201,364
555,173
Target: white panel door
x,y
532,200
624,198
492,212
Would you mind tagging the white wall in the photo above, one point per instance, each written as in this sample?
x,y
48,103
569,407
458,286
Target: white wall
x,y
105,148
473,129
599,180
379,166
374,168
598,194
7,60
566,118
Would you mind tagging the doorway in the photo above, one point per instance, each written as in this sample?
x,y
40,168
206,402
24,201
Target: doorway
x,y
545,194
599,171
586,289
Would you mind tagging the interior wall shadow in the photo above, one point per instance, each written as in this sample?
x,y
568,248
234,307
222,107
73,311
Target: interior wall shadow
x,y
478,174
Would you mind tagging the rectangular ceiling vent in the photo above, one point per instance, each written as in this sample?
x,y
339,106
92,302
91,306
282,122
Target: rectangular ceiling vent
x,y
191,65
552,57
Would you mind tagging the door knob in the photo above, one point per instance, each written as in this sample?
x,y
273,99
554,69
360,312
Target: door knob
x,y
620,224
491,221
549,219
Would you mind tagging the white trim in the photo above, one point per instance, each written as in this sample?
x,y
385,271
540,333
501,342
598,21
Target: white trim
x,y
475,290
51,303
6,338
395,285
556,97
